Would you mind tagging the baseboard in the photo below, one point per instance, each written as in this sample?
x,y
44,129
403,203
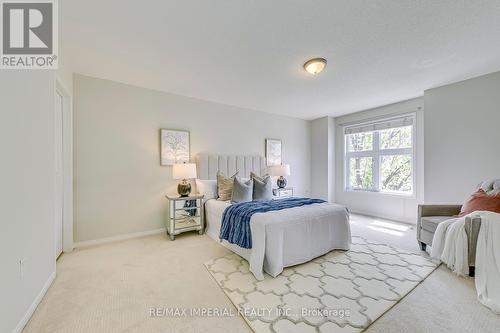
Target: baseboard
x,y
118,238
382,216
20,326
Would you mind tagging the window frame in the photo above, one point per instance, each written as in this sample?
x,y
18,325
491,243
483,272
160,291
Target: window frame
x,y
376,153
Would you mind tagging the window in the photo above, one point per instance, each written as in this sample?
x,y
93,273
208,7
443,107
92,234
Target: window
x,y
379,156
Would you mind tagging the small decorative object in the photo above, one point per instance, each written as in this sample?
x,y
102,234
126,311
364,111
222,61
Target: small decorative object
x,y
273,152
281,171
184,171
174,146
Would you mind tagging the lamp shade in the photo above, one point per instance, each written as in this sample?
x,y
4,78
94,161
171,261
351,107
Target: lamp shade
x,y
184,171
280,170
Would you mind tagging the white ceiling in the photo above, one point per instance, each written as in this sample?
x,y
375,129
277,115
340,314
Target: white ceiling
x,y
250,53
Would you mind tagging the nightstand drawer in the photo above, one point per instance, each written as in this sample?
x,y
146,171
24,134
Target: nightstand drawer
x,y
285,193
185,224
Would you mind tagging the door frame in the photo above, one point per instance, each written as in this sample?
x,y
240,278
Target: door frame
x,y
67,168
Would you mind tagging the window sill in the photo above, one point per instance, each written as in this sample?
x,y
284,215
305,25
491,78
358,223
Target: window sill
x,y
384,194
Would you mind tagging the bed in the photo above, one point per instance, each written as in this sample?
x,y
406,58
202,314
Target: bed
x,y
280,238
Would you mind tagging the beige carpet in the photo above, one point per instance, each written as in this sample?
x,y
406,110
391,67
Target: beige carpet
x,y
342,291
111,288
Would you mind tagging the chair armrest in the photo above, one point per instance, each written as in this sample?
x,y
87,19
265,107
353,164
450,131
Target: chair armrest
x,y
438,210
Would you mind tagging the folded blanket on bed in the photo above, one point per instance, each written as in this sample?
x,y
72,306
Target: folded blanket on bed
x,y
235,227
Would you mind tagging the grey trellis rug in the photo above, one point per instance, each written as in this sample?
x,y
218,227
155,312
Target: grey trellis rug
x,y
342,291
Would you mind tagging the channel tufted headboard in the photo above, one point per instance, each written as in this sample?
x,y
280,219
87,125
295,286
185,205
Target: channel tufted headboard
x,y
207,165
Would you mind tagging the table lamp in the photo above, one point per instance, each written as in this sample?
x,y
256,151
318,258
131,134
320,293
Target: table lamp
x,y
281,171
184,171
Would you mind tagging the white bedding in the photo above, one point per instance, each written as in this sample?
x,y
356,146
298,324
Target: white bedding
x,y
286,237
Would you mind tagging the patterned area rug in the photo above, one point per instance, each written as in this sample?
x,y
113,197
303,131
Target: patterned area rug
x,y
342,291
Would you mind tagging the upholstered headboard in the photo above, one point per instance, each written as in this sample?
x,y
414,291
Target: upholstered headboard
x,y
207,165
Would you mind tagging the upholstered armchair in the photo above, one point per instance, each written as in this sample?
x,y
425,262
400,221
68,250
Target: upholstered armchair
x,y
429,217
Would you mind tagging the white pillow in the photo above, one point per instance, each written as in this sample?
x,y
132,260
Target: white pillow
x,y
207,187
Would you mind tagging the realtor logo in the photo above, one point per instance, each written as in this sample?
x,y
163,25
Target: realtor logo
x,y
29,34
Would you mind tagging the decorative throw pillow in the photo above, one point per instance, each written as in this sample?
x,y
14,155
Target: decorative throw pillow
x,y
256,176
225,186
242,190
262,188
496,187
481,201
207,187
490,186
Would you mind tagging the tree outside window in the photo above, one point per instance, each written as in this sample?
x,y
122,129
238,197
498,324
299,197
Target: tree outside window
x,y
380,160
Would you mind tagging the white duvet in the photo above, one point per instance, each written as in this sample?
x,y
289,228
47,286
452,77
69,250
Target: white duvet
x,y
450,246
286,237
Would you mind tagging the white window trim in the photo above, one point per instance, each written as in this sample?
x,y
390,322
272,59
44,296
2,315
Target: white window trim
x,y
376,153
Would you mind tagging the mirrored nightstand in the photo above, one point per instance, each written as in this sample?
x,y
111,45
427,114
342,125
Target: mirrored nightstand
x,y
184,214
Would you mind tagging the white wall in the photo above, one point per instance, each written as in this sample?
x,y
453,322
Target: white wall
x,y
65,69
322,158
383,205
64,74
462,138
119,184
27,192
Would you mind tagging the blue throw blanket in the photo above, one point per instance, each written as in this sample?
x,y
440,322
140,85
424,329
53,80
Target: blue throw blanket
x,y
235,226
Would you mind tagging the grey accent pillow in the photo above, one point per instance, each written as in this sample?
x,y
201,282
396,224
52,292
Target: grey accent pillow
x,y
255,176
491,187
242,191
496,186
262,188
486,186
225,186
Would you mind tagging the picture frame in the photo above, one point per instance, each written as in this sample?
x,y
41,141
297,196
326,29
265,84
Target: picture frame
x,y
175,146
273,152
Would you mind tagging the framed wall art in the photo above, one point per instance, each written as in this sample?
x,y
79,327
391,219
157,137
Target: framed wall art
x,y
273,152
174,146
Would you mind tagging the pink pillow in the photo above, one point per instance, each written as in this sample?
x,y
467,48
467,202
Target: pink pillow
x,y
480,200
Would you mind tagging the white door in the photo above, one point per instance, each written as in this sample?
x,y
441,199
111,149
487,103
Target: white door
x,y
59,172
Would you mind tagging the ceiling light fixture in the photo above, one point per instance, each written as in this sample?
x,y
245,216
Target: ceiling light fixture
x,y
315,66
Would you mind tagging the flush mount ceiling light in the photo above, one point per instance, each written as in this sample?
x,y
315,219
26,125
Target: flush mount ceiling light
x,y
315,66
